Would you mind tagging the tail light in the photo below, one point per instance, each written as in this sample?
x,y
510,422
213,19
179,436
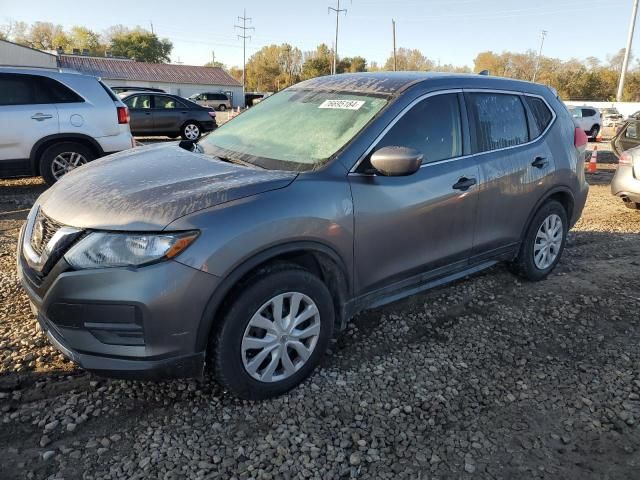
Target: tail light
x,y
123,115
580,138
625,159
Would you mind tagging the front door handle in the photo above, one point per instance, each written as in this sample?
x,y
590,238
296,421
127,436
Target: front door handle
x,y
540,162
41,116
464,184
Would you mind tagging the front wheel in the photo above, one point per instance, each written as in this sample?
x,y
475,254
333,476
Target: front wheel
x,y
543,243
274,333
222,108
191,131
595,130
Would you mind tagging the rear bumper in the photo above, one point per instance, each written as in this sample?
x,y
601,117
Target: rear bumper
x,y
116,143
625,185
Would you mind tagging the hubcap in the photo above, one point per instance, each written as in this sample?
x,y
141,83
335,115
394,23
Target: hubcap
x,y
548,241
191,131
280,337
65,162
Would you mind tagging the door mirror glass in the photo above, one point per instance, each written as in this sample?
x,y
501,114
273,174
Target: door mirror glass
x,y
396,161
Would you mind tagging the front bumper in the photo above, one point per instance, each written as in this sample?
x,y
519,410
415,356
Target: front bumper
x,y
124,322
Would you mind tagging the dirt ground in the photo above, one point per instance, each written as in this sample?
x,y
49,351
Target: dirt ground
x,y
490,377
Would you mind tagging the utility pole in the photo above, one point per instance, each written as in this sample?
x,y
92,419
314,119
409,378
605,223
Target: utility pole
x,y
244,37
152,32
395,61
335,48
543,34
213,58
627,52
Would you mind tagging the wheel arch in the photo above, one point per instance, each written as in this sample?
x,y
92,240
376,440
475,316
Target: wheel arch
x,y
561,194
316,257
41,145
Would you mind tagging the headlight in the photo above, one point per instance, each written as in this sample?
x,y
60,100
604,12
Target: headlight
x,y
102,250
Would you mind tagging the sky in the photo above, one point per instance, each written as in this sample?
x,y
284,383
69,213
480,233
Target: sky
x,y
446,31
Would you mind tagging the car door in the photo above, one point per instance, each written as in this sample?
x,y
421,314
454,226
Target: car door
x,y
628,137
140,113
27,114
588,119
168,114
407,226
515,171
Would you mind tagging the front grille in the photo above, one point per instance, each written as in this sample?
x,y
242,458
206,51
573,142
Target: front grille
x,y
44,228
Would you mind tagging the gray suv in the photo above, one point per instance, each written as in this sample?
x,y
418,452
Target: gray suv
x,y
247,251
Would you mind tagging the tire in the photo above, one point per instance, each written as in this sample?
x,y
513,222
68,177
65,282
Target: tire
x,y
54,158
632,205
595,130
526,264
231,343
191,131
222,108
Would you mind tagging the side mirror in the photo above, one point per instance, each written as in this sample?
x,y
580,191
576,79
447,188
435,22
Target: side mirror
x,y
396,161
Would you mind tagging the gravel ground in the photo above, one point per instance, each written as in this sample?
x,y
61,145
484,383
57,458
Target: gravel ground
x,y
490,377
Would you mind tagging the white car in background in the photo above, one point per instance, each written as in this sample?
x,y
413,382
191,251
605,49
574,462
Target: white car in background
x,y
52,122
611,117
588,119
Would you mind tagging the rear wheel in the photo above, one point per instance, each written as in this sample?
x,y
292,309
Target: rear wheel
x,y
191,131
543,243
222,107
274,333
59,159
595,130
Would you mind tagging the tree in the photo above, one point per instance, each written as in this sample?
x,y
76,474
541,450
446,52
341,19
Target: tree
x,y
236,72
84,39
141,45
409,60
290,61
44,36
352,65
318,62
215,64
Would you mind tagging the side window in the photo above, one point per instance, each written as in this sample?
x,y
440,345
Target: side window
x,y
138,101
16,89
632,131
164,102
432,127
52,91
500,120
587,112
576,112
542,116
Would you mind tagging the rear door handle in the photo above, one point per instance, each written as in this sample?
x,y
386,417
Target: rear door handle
x,y
540,162
41,116
464,184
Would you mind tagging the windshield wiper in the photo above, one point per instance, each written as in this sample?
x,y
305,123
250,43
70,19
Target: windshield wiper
x,y
236,161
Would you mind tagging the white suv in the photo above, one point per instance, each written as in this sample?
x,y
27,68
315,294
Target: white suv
x,y
52,122
587,118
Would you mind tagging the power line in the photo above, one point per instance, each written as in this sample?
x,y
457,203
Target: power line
x,y
244,37
335,45
627,52
543,34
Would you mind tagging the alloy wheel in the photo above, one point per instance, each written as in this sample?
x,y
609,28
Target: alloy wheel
x,y
65,162
280,337
548,242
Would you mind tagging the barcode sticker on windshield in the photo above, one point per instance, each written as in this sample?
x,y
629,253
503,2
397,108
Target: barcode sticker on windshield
x,y
342,104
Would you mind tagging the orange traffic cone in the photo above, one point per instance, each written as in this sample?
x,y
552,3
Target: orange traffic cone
x,y
593,161
599,138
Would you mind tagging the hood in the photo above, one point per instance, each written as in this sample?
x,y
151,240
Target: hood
x,y
147,188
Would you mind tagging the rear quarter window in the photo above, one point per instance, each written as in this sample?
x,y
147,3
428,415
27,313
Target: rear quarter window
x,y
542,116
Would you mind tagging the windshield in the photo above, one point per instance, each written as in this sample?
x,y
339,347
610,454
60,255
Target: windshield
x,y
294,129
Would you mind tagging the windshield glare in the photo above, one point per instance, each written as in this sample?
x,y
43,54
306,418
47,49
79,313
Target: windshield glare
x,y
294,129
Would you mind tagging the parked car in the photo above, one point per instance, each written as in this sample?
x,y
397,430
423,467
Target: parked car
x,y
587,118
154,114
246,251
611,117
626,181
634,116
123,89
218,101
52,122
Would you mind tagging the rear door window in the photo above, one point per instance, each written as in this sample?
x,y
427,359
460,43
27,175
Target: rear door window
x,y
588,112
500,120
52,91
22,89
138,101
433,127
